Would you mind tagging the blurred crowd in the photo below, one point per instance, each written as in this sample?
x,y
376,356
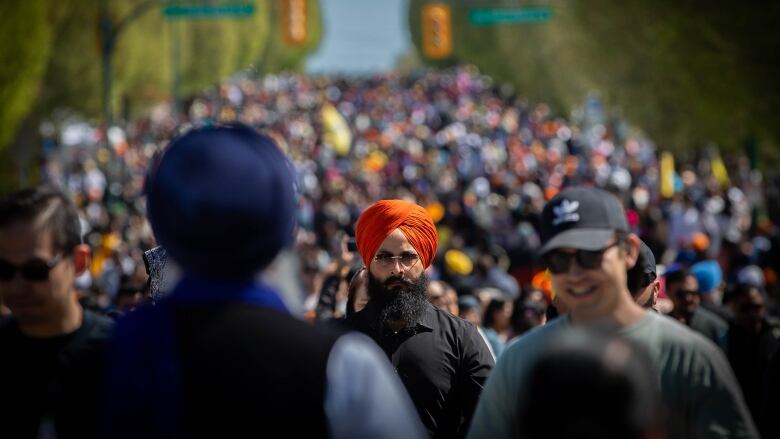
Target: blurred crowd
x,y
473,180
481,159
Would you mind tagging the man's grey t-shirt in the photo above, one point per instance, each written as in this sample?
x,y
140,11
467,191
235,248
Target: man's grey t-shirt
x,y
698,388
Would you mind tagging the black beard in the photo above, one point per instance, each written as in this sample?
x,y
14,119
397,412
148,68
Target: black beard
x,y
399,303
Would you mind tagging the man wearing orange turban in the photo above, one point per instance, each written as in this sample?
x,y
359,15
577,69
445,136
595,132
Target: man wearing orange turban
x,y
441,359
383,217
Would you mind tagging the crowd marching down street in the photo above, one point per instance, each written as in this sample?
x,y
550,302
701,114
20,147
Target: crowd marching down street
x,y
402,255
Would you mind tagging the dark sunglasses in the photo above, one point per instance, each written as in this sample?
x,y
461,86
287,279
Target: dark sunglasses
x,y
34,270
559,262
682,294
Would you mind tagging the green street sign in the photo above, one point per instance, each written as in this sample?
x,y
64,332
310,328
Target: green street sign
x,y
172,12
486,17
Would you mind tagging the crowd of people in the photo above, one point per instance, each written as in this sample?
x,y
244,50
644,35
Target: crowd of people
x,y
480,186
480,159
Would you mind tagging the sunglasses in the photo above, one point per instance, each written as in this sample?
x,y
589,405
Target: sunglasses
x,y
34,270
682,294
559,262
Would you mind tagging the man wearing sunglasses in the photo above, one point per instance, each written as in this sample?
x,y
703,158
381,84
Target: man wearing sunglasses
x,y
50,348
682,287
441,359
588,248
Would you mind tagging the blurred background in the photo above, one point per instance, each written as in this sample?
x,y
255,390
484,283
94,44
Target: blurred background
x,y
479,110
688,74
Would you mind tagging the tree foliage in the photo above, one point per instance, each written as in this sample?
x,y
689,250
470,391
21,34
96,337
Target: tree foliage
x,y
688,72
277,56
57,65
21,64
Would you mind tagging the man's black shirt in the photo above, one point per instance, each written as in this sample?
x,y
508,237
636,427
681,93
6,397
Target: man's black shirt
x,y
749,354
54,381
442,361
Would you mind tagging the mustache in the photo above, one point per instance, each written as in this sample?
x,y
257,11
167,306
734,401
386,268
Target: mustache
x,y
400,279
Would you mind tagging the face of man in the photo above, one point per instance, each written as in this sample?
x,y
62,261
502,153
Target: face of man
x,y
396,280
396,244
685,295
596,293
750,310
35,302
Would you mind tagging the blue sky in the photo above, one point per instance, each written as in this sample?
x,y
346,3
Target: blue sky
x,y
361,36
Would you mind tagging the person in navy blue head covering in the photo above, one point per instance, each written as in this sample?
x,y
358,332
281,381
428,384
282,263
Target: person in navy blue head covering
x,y
221,201
221,356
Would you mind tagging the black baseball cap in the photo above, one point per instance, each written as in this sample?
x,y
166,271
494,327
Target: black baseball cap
x,y
581,218
646,261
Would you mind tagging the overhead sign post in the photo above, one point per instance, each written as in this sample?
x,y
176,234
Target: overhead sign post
x,y
180,11
488,17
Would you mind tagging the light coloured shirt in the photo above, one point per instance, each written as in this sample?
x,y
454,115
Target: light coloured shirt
x,y
364,398
698,387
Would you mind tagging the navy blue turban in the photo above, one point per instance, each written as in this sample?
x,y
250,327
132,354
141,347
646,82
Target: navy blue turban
x,y
221,201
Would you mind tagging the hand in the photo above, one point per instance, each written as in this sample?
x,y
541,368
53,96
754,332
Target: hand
x,y
345,259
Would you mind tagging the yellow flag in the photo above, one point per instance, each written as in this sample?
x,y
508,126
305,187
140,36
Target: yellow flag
x,y
667,174
337,133
719,171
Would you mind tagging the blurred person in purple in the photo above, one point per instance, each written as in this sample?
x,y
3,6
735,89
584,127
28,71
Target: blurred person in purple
x,y
51,372
221,355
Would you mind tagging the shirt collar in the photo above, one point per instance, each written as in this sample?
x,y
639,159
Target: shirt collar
x,y
428,318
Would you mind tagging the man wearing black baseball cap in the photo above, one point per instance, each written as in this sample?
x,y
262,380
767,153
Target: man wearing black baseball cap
x,y
643,280
588,248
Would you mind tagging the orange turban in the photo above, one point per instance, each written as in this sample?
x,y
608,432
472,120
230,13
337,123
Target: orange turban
x,y
382,217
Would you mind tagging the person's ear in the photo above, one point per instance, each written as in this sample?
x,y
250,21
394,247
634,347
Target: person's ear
x,y
81,258
656,289
632,250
